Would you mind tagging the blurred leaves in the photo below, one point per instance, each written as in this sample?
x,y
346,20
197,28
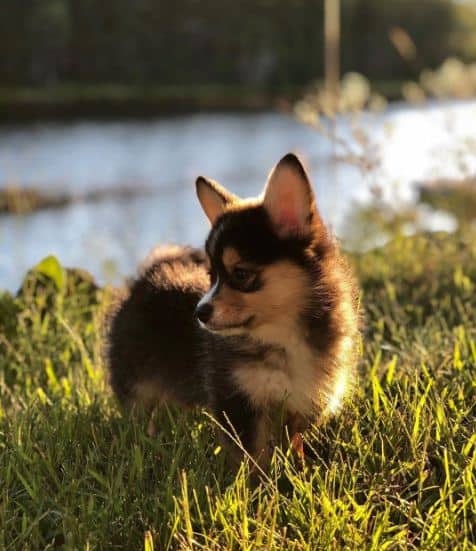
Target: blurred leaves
x,y
380,220
355,95
51,267
452,79
320,108
457,198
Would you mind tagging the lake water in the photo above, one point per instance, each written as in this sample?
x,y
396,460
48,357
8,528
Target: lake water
x,y
108,238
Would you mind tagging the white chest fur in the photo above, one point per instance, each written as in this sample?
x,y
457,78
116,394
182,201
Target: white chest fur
x,y
292,381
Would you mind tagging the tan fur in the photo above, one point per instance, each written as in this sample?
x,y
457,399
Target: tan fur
x,y
213,197
281,297
149,393
277,307
346,322
303,381
239,203
228,308
293,383
230,258
159,253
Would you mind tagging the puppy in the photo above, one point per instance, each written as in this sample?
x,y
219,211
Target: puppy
x,y
262,330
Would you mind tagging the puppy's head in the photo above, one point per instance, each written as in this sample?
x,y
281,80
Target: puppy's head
x,y
259,252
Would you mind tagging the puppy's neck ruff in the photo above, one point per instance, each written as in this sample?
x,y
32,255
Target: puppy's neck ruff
x,y
289,376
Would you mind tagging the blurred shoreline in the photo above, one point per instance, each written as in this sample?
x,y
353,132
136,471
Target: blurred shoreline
x,y
112,101
20,201
73,165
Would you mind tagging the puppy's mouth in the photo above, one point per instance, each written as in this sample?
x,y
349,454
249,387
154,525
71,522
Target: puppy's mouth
x,y
226,328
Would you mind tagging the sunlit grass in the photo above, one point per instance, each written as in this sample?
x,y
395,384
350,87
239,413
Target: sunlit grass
x,y
397,470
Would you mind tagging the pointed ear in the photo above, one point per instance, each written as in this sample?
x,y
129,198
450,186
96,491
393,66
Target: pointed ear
x,y
288,197
213,197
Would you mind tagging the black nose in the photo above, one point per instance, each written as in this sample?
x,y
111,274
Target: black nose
x,y
204,312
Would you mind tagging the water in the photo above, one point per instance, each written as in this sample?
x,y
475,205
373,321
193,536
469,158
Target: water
x,y
108,238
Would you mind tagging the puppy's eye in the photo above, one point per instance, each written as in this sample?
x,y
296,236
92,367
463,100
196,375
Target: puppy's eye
x,y
241,275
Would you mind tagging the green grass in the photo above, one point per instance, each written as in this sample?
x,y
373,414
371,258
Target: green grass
x,y
397,470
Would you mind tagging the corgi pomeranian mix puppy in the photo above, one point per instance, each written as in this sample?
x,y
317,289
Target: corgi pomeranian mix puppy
x,y
266,322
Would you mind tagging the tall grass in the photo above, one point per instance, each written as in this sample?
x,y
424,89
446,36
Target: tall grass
x,y
396,470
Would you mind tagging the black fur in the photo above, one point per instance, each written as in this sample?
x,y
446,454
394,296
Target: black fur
x,y
251,233
154,338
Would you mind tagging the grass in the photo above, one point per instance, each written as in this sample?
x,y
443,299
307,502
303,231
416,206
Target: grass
x,y
397,470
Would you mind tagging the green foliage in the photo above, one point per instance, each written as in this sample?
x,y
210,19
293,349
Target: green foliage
x,y
396,470
457,198
51,268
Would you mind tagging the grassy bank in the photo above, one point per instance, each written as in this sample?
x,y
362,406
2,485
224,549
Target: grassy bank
x,y
20,201
115,101
397,470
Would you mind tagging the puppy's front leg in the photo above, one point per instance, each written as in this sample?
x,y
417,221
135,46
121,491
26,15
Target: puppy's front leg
x,y
245,428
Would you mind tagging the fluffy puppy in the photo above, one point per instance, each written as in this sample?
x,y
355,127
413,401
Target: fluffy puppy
x,y
262,330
